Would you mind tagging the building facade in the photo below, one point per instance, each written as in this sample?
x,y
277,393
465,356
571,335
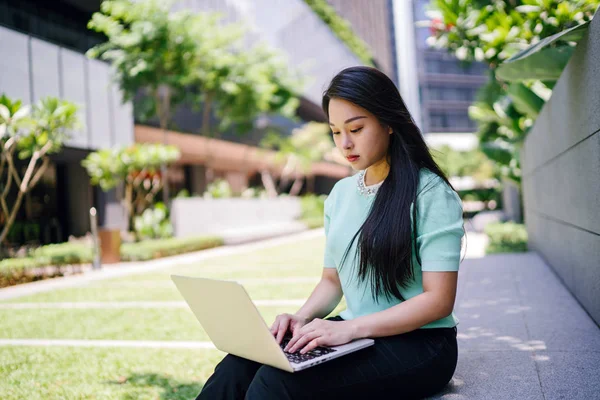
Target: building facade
x,y
444,87
42,46
373,22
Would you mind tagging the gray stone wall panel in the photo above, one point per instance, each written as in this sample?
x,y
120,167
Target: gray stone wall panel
x,y
99,105
568,188
73,89
572,253
14,65
45,67
573,108
561,180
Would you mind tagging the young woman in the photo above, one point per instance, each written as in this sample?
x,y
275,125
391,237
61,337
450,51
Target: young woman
x,y
396,264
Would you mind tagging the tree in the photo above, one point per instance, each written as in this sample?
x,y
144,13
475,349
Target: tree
x,y
465,163
258,82
152,52
495,32
297,152
134,170
177,57
30,133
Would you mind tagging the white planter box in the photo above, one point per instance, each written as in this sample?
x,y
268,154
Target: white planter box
x,y
234,217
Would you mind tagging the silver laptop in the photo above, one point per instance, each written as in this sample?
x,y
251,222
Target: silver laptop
x,y
235,326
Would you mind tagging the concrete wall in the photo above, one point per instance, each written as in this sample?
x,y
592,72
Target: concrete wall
x,y
31,69
561,175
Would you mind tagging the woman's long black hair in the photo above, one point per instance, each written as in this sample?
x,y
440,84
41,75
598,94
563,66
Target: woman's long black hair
x,y
386,237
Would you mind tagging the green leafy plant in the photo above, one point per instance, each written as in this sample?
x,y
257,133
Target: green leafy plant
x,y
465,163
150,249
176,57
31,133
62,254
253,192
313,205
52,257
526,43
219,189
134,170
506,237
342,29
313,210
153,223
297,153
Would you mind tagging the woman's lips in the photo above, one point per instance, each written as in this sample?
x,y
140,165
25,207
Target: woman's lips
x,y
352,158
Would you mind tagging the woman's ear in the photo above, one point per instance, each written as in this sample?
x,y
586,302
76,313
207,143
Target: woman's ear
x,y
390,130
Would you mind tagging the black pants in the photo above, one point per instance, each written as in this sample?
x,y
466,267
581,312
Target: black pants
x,y
412,365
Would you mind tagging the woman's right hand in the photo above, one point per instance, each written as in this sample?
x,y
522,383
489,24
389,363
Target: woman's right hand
x,y
285,322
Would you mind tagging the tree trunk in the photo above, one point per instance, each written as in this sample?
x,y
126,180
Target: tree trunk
x,y
310,184
162,97
268,183
206,113
128,204
12,216
206,132
297,187
25,185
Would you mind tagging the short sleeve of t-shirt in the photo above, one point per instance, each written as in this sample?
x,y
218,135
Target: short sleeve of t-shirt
x,y
328,261
439,226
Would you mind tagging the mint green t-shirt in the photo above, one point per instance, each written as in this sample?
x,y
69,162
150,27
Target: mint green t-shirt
x,y
439,230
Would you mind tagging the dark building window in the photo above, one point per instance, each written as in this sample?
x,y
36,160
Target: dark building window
x,y
450,121
453,66
452,93
52,21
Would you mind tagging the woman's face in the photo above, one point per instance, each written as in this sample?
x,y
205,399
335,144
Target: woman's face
x,y
357,132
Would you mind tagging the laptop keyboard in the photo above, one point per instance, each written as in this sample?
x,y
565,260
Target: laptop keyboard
x,y
298,358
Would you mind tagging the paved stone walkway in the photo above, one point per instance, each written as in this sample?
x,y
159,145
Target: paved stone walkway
x,y
521,334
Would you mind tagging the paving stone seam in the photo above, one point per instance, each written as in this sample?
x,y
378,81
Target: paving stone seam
x,y
534,353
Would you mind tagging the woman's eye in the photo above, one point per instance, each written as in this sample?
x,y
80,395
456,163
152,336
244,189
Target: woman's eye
x,y
335,133
356,130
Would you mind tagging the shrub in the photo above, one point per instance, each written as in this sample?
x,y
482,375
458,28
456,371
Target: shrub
x,y
150,249
14,264
506,237
254,192
219,189
153,223
313,209
312,206
24,269
62,254
313,222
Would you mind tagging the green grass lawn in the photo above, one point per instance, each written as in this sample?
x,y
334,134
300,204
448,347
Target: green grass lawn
x,y
104,292
125,373
97,373
111,324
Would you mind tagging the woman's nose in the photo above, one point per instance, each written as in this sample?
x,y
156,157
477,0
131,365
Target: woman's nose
x,y
346,143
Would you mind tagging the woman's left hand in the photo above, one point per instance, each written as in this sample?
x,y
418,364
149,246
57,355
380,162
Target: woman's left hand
x,y
320,332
